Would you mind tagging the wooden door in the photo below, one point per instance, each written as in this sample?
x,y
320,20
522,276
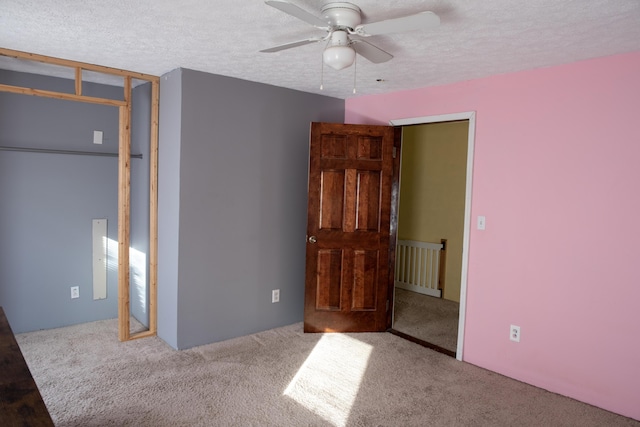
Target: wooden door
x,y
349,244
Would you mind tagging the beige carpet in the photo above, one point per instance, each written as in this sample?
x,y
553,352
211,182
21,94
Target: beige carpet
x,y
280,377
430,319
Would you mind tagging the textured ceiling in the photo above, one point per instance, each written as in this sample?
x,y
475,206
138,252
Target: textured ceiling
x,y
475,38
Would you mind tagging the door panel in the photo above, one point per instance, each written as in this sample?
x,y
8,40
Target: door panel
x,y
368,211
365,277
329,281
348,227
331,209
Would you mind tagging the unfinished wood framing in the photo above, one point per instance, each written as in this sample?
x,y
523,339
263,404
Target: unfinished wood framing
x,y
78,81
124,173
153,208
60,95
124,209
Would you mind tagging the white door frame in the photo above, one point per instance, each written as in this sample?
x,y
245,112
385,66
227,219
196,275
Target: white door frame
x,y
471,116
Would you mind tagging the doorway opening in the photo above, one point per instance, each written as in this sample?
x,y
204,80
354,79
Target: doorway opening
x,y
433,224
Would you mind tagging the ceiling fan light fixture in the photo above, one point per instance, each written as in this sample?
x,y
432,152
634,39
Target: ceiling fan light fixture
x,y
339,57
339,54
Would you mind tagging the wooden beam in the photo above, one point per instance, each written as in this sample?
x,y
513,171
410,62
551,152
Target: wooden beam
x,y
61,95
143,334
78,81
124,212
74,64
153,208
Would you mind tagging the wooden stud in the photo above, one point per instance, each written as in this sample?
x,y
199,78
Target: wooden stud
x,y
153,208
124,211
78,81
61,95
143,334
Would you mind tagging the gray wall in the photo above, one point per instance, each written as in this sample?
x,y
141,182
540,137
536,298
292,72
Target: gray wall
x,y
48,201
139,217
236,226
169,204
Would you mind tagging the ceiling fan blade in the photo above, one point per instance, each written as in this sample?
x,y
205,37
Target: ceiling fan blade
x,y
297,12
371,52
292,44
419,21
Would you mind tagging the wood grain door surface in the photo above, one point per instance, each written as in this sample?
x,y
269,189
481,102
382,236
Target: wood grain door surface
x,y
348,228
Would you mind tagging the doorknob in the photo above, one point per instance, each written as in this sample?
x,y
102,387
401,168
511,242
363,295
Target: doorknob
x,y
313,239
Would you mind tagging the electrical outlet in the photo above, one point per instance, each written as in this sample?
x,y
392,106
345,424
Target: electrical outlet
x,y
514,333
75,292
275,295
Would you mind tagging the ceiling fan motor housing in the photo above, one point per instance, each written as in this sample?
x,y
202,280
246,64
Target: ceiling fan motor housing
x,y
341,15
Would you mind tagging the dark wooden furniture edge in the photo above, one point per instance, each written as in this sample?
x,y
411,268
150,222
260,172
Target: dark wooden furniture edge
x,y
20,401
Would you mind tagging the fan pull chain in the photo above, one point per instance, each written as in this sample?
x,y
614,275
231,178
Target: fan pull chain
x,y
355,63
322,74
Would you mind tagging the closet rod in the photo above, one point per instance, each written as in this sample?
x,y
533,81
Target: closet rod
x,y
77,153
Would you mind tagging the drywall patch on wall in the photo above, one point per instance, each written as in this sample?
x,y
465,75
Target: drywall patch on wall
x,y
99,256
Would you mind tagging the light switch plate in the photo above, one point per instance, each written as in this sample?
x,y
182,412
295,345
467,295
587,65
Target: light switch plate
x,y
97,137
481,222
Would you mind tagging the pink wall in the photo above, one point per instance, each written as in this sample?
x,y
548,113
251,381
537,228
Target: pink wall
x,y
557,175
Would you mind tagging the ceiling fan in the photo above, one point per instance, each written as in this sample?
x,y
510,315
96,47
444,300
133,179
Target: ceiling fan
x,y
345,33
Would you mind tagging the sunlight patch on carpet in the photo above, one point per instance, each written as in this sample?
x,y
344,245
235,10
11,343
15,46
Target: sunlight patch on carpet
x,y
328,382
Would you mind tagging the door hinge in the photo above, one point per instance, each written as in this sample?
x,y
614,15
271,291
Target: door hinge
x,y
387,305
394,152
